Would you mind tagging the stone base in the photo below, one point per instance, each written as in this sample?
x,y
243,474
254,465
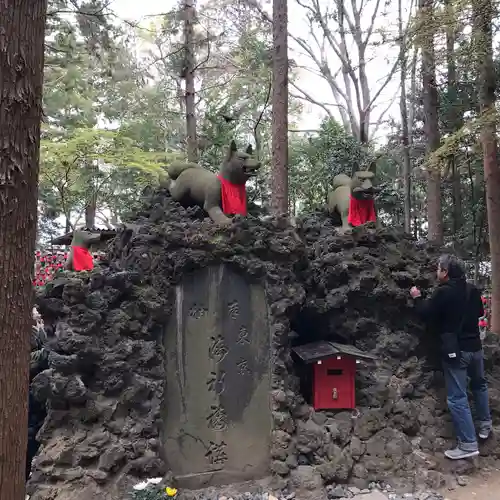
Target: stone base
x,y
215,479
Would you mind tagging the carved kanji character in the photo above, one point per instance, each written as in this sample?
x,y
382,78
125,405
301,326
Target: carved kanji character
x,y
216,453
234,309
217,350
243,336
217,418
216,383
243,367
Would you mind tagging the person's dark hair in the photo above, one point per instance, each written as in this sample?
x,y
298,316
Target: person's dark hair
x,y
452,264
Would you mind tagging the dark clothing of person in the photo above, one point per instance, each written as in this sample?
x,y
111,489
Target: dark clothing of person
x,y
36,417
445,308
36,410
455,307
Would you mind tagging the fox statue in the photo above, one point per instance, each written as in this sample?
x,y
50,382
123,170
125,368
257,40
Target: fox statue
x,y
219,194
353,198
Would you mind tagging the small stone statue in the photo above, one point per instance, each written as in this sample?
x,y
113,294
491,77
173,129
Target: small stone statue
x,y
80,258
219,194
353,198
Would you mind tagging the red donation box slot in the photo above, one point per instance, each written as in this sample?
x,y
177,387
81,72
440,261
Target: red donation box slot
x,y
334,383
334,373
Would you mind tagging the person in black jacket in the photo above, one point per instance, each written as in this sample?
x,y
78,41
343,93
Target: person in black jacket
x,y
36,410
453,311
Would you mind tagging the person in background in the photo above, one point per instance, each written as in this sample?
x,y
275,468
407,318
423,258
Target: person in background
x,y
453,311
38,363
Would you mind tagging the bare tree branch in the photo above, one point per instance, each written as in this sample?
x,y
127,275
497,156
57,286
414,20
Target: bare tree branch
x,y
311,99
383,113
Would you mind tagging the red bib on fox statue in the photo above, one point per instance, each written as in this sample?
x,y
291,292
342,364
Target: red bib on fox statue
x,y
361,211
233,196
82,259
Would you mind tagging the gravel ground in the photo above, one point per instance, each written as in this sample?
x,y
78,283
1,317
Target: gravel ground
x,y
485,486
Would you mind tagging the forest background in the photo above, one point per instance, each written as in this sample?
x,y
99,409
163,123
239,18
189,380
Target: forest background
x,y
391,82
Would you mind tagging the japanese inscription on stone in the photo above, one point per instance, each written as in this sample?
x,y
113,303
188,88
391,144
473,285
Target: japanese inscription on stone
x,y
243,336
217,350
216,411
217,418
215,382
216,453
197,312
234,309
242,366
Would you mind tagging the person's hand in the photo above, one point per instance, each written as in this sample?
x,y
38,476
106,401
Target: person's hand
x,y
415,292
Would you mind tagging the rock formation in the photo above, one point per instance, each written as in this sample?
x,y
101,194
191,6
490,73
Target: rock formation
x,y
106,383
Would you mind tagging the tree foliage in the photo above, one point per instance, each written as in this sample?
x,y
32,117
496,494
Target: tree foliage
x,y
317,159
88,164
127,80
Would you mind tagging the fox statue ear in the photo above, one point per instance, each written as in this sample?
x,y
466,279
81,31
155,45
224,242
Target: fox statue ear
x,y
373,167
233,147
249,150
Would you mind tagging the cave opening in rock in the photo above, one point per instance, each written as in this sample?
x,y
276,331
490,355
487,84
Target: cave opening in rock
x,y
327,361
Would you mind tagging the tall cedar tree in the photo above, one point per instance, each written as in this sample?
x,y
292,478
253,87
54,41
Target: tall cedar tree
x,y
454,119
188,75
405,133
483,12
279,175
431,123
22,28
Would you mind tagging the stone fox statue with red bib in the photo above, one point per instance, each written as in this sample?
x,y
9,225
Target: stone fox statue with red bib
x,y
219,194
80,258
353,198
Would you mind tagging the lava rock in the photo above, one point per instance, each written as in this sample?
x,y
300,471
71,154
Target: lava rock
x,y
104,390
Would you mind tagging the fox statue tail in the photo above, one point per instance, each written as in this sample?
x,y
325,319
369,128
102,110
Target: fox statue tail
x,y
177,167
341,180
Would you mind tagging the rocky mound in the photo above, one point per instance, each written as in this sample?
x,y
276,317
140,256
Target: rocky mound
x,y
105,384
357,293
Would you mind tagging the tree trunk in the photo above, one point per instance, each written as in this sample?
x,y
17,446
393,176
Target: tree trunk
x,y
22,29
90,210
189,69
413,93
279,175
181,97
92,171
454,118
483,12
403,106
431,125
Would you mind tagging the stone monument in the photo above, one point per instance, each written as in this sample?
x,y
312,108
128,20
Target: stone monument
x,y
217,417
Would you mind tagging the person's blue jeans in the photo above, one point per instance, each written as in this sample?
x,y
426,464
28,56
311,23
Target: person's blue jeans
x,y
471,365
